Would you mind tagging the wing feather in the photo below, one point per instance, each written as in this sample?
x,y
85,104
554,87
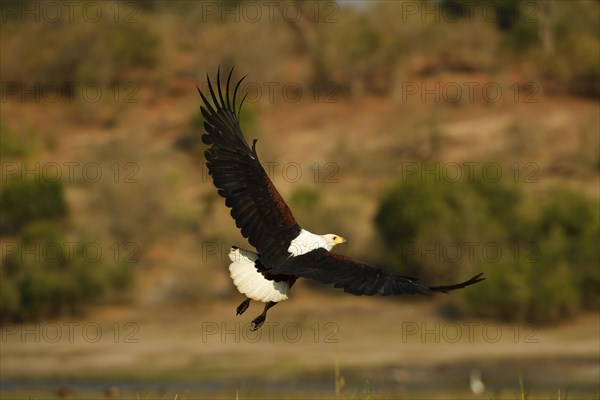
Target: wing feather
x,y
358,278
257,207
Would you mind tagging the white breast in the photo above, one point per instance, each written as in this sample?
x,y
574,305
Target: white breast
x,y
305,242
251,282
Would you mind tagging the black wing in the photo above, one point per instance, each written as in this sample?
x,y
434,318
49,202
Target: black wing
x,y
258,209
358,278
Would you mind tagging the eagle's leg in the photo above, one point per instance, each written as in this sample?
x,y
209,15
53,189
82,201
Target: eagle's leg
x,y
242,307
258,321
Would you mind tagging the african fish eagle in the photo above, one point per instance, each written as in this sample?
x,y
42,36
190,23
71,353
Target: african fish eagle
x,y
286,252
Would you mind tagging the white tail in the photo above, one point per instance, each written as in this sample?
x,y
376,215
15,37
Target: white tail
x,y
252,283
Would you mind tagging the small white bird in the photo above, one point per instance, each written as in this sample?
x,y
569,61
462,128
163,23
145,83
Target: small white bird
x,y
475,382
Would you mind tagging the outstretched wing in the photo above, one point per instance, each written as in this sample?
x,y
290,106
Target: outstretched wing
x,y
358,278
256,206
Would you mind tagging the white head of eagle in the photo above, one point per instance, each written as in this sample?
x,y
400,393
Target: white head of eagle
x,y
306,242
285,251
333,240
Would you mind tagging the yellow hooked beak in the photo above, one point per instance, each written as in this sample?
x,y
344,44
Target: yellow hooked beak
x,y
339,240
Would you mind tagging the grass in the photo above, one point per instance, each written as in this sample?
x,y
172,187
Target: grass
x,y
366,393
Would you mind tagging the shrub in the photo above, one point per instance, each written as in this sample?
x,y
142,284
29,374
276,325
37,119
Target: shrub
x,y
537,287
504,295
43,276
305,198
566,210
23,201
575,218
548,266
305,204
426,212
13,144
79,51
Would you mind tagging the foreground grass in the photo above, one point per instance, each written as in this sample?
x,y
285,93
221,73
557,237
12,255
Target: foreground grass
x,y
239,395
519,389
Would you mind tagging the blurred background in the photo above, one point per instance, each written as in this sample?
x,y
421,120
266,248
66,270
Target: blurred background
x,y
442,138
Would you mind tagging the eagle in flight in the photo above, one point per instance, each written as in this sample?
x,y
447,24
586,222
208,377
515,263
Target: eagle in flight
x,y
285,251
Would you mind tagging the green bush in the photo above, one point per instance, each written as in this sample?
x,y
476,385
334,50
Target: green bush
x,y
134,45
572,216
13,144
548,266
426,211
305,204
305,198
79,50
504,295
566,210
45,275
23,201
537,286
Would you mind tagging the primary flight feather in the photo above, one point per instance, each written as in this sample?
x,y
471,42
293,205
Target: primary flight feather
x,y
285,251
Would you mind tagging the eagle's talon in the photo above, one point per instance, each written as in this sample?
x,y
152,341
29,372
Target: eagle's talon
x,y
242,307
257,323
